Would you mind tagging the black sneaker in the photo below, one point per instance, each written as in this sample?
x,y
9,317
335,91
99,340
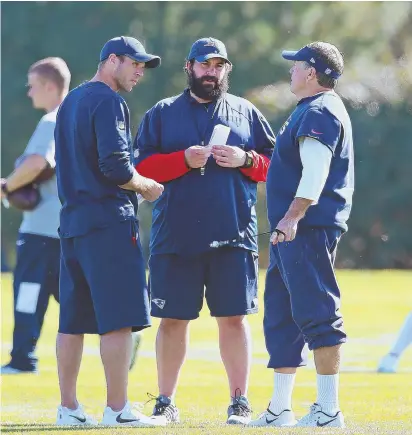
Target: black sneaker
x,y
239,412
8,369
164,411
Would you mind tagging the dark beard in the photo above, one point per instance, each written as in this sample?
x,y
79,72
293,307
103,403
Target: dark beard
x,y
207,92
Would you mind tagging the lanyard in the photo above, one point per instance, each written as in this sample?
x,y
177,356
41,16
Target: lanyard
x,y
195,121
208,123
203,138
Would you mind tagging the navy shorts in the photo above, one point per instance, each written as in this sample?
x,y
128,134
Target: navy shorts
x,y
228,277
302,297
103,282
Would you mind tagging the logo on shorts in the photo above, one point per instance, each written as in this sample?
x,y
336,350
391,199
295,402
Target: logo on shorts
x,y
159,302
121,125
20,242
255,303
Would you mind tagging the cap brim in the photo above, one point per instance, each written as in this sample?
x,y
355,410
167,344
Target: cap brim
x,y
150,60
211,56
290,55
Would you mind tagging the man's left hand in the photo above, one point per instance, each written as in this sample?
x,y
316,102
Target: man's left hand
x,y
287,230
3,194
228,156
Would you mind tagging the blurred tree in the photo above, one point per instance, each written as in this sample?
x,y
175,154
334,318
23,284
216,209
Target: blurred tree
x,y
377,85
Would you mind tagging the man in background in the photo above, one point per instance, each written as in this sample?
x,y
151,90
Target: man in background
x,y
210,195
309,198
389,363
36,276
103,282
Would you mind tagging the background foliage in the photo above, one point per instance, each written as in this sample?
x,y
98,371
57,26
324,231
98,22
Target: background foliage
x,y
377,86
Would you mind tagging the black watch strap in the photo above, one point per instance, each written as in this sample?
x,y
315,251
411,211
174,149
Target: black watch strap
x,y
248,161
4,188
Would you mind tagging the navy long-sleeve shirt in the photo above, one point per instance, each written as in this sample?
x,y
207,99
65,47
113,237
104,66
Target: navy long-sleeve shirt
x,y
195,210
93,157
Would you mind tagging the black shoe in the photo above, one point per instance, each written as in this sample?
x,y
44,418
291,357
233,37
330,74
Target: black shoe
x,y
165,411
239,412
8,369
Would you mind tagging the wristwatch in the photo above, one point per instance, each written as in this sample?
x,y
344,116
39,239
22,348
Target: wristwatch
x,y
248,161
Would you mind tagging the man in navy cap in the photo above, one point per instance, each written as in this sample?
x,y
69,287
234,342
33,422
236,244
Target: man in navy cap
x,y
309,197
102,281
210,195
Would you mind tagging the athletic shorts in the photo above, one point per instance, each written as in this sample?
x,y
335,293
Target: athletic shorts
x,y
227,277
102,281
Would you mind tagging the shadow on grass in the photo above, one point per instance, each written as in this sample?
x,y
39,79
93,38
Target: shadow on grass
x,y
35,427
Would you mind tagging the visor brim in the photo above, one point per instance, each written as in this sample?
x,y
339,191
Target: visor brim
x,y
150,60
211,56
290,55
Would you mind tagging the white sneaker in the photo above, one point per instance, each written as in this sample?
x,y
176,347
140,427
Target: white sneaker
x,y
73,417
127,417
136,342
388,364
319,418
269,418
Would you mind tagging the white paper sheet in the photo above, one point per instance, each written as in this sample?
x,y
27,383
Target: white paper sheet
x,y
220,135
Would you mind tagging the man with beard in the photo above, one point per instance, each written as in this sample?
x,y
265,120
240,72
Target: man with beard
x,y
102,281
210,194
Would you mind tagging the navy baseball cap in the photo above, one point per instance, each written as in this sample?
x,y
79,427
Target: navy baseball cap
x,y
207,48
130,47
310,56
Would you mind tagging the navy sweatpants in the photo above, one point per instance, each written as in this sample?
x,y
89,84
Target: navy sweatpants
x,y
36,278
302,297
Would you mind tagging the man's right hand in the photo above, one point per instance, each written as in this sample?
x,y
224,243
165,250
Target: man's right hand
x,y
151,190
196,156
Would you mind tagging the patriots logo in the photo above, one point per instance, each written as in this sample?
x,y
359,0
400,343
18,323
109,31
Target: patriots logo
x,y
159,302
255,303
210,44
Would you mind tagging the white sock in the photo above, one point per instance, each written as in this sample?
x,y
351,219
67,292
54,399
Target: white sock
x,y
282,392
404,338
328,390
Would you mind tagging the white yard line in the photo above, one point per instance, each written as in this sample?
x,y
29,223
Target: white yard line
x,y
356,353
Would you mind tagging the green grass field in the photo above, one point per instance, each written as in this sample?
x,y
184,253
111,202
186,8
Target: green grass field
x,y
374,306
